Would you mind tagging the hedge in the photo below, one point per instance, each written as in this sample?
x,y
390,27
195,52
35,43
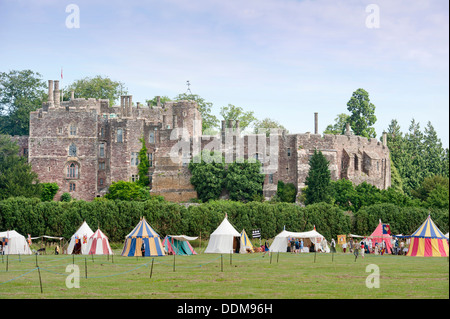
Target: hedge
x,y
117,218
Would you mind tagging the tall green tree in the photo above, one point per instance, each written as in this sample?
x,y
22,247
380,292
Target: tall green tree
x,y
362,114
266,124
338,128
16,176
96,87
144,165
231,112
318,181
21,92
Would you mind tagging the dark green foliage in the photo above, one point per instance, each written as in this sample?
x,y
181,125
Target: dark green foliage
x,y
318,180
21,92
16,176
244,180
143,165
48,191
208,175
286,192
66,197
129,191
362,114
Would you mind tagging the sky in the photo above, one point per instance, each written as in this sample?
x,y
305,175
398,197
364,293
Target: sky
x,y
281,59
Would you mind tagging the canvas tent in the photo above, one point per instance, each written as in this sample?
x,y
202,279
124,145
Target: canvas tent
x,y
98,244
280,242
224,240
428,241
246,244
14,243
79,241
143,239
379,236
179,245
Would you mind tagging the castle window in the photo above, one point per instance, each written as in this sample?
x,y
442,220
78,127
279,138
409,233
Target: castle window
x,y
150,159
270,178
72,170
101,181
288,152
102,149
72,150
151,138
102,132
356,163
72,187
73,130
134,158
101,165
378,166
134,178
119,135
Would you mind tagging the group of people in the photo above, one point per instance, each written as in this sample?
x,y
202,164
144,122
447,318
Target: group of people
x,y
297,245
399,247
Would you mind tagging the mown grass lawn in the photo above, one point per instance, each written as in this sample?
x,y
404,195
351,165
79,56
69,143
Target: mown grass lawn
x,y
250,276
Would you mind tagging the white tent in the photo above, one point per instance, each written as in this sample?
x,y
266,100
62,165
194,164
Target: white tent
x,y
98,244
16,243
280,241
82,235
222,239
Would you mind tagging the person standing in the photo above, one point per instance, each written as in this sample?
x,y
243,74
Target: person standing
x,y
344,247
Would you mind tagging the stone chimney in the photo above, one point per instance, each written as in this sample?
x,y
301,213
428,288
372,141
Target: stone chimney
x,y
50,92
158,101
316,123
72,95
56,94
384,139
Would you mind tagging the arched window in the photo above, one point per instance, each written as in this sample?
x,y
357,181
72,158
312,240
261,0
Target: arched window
x,y
72,170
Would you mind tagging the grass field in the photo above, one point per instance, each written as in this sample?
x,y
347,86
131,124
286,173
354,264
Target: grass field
x,y
205,276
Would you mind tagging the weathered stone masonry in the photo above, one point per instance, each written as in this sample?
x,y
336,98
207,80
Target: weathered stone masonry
x,y
85,144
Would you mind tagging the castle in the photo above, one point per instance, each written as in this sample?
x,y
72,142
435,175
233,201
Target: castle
x,y
85,144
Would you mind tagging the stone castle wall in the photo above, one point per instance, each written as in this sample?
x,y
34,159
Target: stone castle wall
x,y
103,143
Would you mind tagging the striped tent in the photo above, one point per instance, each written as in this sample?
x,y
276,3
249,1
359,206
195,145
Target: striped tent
x,y
179,245
428,241
245,243
143,239
98,244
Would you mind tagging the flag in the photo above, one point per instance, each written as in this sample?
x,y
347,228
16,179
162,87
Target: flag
x,y
341,239
386,229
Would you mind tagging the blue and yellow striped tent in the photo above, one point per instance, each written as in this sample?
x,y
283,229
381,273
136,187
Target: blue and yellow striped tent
x,y
143,241
246,244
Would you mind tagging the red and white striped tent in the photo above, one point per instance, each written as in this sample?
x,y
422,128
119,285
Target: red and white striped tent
x,y
98,244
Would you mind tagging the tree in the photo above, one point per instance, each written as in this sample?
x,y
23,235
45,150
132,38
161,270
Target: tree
x,y
244,180
362,114
318,180
209,121
143,165
129,191
338,128
286,192
21,92
162,100
232,112
49,191
16,176
97,87
208,176
266,125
